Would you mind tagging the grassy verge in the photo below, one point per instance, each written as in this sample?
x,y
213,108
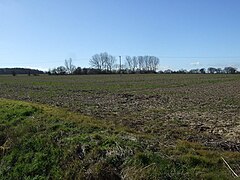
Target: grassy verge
x,y
41,142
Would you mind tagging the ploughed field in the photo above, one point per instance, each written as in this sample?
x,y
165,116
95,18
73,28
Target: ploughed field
x,y
202,108
167,110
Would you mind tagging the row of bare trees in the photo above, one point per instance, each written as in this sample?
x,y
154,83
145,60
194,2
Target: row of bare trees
x,y
144,63
107,62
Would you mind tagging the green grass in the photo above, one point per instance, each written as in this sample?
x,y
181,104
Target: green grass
x,y
43,142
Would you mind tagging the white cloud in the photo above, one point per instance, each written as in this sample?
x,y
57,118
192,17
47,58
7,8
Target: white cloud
x,y
195,63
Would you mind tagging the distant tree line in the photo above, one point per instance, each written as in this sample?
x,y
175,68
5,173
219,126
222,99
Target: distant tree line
x,y
15,71
105,63
210,70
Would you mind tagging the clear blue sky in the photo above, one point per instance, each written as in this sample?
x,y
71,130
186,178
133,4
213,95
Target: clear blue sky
x,y
182,33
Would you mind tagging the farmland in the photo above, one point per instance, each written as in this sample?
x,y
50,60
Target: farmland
x,y
181,119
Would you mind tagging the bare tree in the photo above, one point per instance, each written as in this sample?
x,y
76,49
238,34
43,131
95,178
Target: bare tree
x,y
111,60
155,63
147,62
129,62
135,63
95,62
104,60
140,62
69,66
